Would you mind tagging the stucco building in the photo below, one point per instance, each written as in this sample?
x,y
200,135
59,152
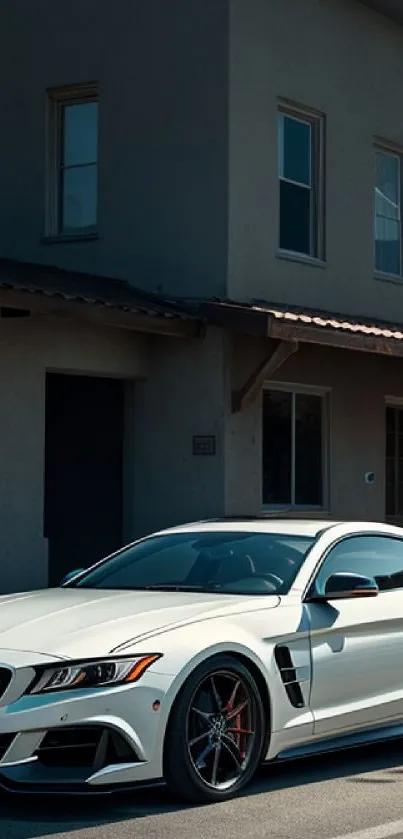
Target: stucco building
x,y
201,278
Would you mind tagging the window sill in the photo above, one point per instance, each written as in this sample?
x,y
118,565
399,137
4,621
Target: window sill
x,y
388,278
64,238
291,256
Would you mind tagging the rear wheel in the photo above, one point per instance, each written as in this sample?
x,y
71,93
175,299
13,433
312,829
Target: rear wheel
x,y
216,732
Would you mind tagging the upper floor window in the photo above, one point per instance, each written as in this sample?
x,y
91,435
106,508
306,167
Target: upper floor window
x,y
293,438
300,182
73,161
387,206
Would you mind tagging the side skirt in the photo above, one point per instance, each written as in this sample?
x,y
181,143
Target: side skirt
x,y
364,737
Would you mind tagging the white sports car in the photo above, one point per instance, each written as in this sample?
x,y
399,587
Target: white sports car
x,y
199,652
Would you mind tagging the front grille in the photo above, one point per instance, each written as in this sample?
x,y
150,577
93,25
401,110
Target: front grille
x,y
5,743
5,679
84,746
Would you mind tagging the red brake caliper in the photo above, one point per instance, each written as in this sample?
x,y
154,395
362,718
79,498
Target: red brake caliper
x,y
239,736
238,729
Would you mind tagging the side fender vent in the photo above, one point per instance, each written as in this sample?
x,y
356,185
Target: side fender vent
x,y
5,678
288,675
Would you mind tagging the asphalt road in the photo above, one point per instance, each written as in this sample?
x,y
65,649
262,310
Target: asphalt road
x,y
354,795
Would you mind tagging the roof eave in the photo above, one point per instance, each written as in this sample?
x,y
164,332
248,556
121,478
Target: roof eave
x,y
340,340
259,322
99,314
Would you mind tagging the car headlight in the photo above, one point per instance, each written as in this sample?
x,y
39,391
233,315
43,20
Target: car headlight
x,y
91,674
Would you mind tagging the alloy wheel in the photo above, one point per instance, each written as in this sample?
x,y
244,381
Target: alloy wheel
x,y
221,729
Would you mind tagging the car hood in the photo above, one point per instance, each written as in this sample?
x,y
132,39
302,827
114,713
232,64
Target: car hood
x,y
76,623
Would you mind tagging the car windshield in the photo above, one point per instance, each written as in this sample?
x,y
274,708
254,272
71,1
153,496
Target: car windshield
x,y
203,561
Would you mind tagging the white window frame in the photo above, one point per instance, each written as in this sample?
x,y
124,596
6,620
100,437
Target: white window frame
x,y
316,122
57,100
386,147
325,394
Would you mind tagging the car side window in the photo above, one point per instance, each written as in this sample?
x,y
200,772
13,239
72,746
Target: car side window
x,y
380,557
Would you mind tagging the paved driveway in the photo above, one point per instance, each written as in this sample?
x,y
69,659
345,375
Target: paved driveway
x,y
355,795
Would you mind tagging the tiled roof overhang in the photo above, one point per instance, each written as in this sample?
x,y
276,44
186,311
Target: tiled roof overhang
x,y
102,300
291,323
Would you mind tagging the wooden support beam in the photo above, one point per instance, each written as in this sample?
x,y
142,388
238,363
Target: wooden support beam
x,y
265,370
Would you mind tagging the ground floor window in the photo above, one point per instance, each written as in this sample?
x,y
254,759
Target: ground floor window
x,y
293,430
394,461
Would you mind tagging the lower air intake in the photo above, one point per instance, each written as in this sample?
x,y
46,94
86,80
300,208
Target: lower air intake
x,y
92,747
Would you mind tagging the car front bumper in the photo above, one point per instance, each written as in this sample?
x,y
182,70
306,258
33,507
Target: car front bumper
x,y
82,740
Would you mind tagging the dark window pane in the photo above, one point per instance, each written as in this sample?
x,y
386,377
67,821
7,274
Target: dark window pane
x,y
79,197
387,213
387,246
390,470
276,447
295,154
390,499
295,218
308,449
387,189
80,135
393,465
373,556
390,420
390,445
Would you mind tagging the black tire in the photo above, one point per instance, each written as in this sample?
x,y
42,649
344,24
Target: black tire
x,y
183,770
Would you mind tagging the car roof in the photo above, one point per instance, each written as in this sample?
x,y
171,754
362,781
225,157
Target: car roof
x,y
285,526
310,528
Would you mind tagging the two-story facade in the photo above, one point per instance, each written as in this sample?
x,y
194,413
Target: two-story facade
x,y
201,279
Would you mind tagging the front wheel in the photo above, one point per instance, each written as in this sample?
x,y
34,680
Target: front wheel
x,y
216,732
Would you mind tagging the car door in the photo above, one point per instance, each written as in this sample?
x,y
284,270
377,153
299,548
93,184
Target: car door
x,y
357,644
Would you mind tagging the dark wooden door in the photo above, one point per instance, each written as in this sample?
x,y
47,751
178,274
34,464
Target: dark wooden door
x,y
83,518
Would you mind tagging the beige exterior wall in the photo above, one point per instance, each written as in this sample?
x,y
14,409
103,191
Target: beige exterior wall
x,y
179,389
188,204
358,385
188,193
29,348
162,71
184,395
341,59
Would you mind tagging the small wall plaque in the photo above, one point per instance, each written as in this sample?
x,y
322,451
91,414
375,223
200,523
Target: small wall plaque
x,y
204,444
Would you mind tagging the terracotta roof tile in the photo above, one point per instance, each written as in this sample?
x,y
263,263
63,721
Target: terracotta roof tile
x,y
338,322
298,315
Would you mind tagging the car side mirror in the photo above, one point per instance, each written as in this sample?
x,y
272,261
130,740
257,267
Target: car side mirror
x,y
344,586
70,575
